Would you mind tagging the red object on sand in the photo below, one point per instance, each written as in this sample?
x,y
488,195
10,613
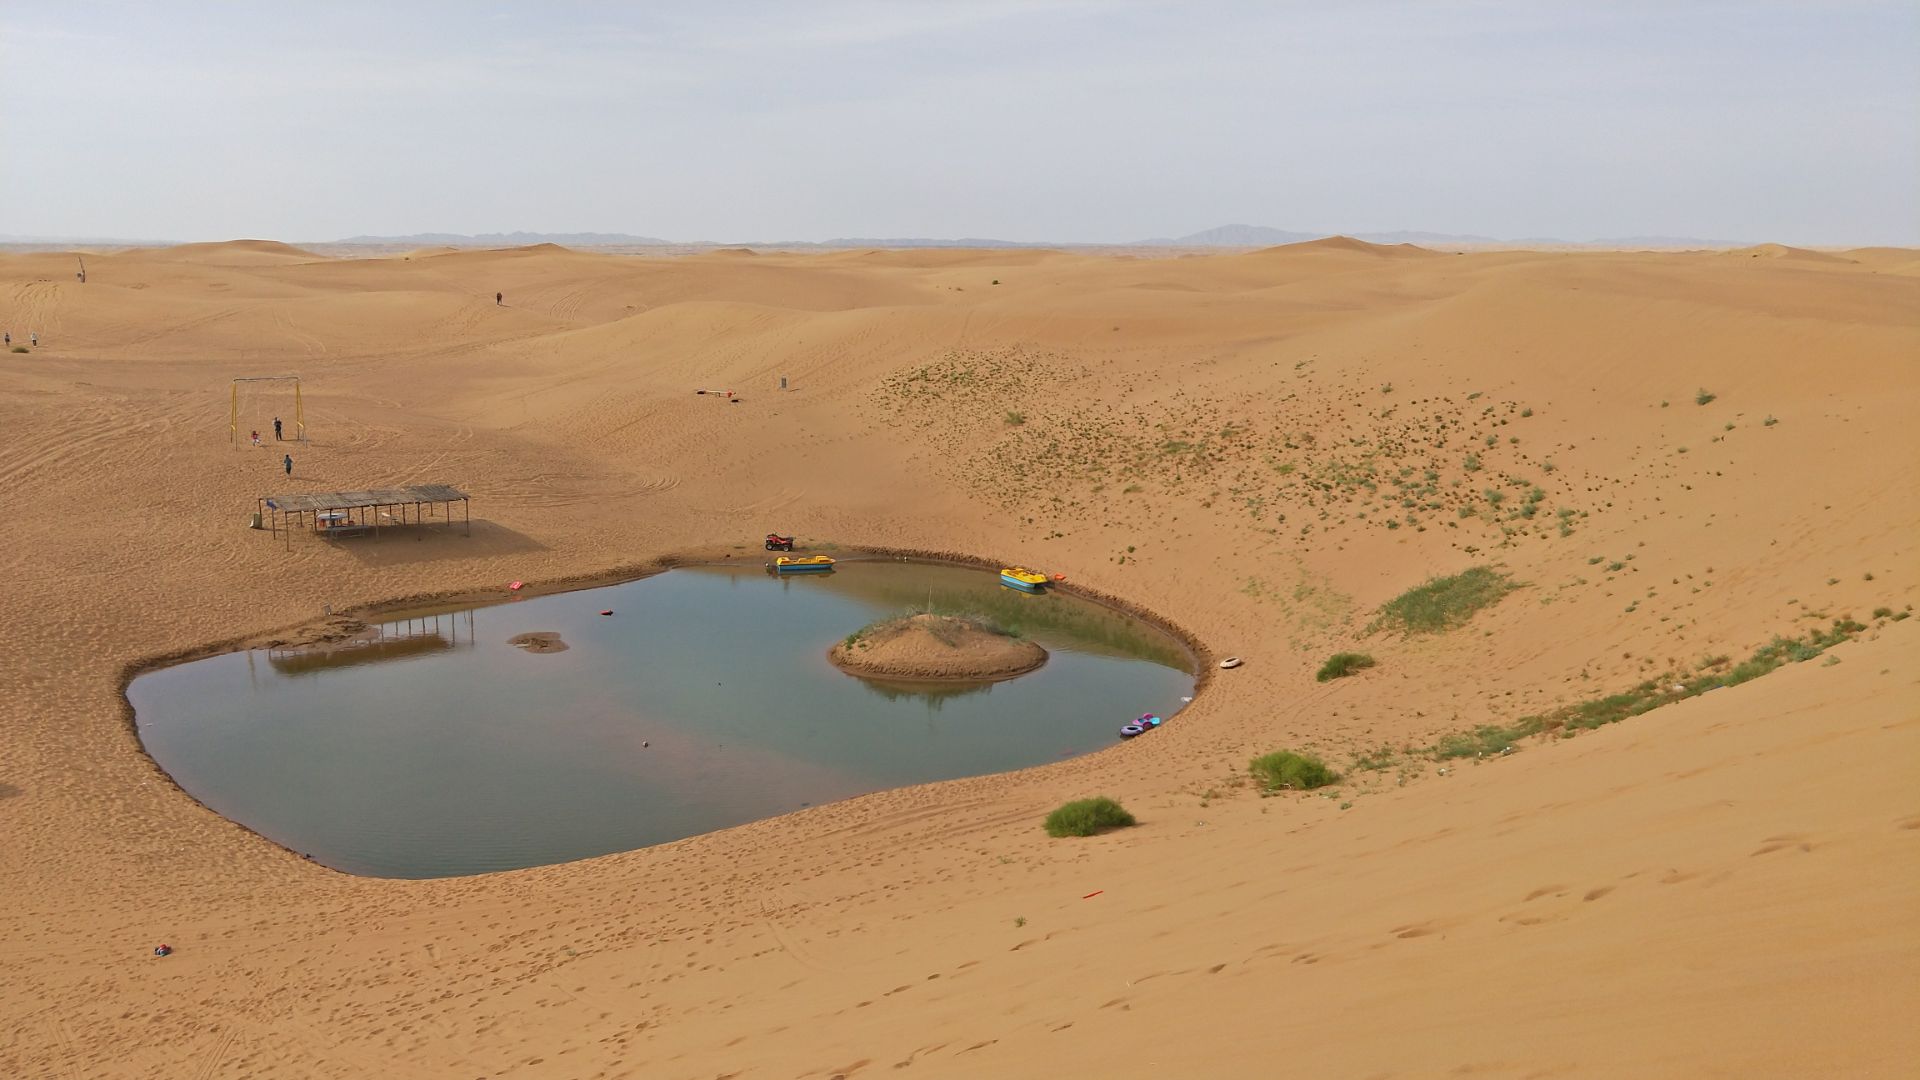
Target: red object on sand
x,y
1059,577
609,611
516,586
1093,894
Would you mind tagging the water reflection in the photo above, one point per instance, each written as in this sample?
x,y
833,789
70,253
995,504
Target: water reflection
x,y
934,694
399,639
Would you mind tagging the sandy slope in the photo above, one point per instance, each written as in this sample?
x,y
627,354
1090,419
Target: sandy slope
x,y
1261,447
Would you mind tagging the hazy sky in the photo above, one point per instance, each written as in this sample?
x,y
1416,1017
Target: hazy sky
x,y
1067,120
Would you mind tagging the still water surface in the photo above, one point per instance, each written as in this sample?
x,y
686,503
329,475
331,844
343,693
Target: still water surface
x,y
704,701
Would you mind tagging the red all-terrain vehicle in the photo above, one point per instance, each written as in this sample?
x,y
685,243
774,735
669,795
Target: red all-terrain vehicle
x,y
776,542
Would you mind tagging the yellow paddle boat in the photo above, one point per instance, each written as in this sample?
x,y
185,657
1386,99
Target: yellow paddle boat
x,y
805,564
1019,577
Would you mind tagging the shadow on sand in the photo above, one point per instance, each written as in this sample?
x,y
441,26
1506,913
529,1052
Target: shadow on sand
x,y
425,543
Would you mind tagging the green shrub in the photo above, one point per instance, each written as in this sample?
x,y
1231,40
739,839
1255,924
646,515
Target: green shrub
x,y
1284,770
1485,741
1443,603
1084,817
20,348
1492,739
1015,419
1341,665
1704,396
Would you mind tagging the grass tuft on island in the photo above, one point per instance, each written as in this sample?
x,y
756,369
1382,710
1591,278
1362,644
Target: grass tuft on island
x,y
930,647
1085,817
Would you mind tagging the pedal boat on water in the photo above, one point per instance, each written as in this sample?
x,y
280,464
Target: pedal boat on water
x,y
804,564
1019,577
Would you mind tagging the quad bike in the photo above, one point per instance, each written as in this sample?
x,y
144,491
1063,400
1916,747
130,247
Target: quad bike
x,y
776,542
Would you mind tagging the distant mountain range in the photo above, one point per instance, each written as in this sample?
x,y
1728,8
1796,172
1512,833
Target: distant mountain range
x,y
1227,236
1224,236
80,241
1648,241
512,239
524,239
1263,236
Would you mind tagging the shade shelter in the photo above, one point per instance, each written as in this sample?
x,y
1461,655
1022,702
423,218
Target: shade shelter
x,y
333,514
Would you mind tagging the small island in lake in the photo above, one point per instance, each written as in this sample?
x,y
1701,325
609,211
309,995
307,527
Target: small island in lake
x,y
936,648
541,641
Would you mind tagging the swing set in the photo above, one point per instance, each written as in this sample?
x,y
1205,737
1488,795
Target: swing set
x,y
233,407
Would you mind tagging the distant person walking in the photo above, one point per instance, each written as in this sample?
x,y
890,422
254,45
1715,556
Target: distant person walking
x,y
276,429
9,339
499,298
287,462
35,335
256,438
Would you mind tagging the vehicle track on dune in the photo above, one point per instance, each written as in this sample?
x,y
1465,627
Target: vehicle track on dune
x,y
311,344
550,489
567,307
78,440
766,504
197,322
38,303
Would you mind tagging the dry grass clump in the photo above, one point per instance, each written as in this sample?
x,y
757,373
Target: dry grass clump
x,y
1085,817
1341,665
1443,603
1284,770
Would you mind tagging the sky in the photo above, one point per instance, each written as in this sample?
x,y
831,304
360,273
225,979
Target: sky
x,y
1043,120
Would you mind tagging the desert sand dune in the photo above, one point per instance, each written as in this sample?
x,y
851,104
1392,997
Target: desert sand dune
x,y
1782,251
943,258
1350,245
1676,457
230,253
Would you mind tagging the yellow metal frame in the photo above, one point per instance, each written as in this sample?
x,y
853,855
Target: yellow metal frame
x,y
233,406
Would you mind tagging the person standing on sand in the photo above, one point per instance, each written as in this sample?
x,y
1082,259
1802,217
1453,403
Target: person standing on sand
x,y
35,335
498,299
9,338
288,463
276,429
